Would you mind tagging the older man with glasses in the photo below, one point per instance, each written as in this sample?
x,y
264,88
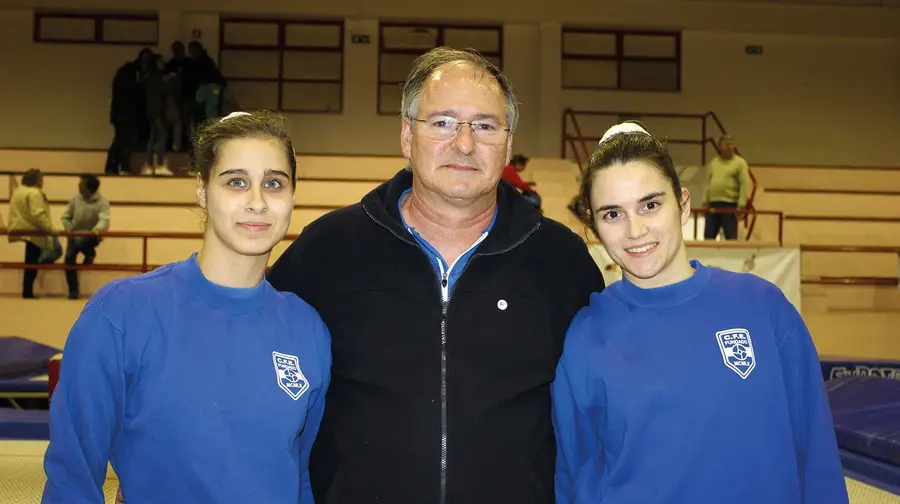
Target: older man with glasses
x,y
448,297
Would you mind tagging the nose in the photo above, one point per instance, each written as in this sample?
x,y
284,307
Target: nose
x,y
256,201
636,227
464,142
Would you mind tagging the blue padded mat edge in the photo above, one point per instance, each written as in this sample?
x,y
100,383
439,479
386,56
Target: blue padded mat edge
x,y
866,413
24,424
23,385
21,357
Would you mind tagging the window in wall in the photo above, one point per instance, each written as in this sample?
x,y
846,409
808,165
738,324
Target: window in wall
x,y
290,66
401,44
62,27
628,61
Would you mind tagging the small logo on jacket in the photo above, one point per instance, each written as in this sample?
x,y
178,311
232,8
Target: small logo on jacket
x,y
737,351
290,377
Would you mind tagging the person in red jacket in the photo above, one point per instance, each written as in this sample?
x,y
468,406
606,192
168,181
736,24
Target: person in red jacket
x,y
511,175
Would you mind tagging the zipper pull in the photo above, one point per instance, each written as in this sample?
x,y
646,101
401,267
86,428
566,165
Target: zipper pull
x,y
444,281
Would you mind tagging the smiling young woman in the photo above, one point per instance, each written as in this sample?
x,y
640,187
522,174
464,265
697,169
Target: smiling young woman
x,y
199,381
683,383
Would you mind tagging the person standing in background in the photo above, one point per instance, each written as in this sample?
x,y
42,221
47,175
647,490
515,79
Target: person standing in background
x,y
30,211
124,115
727,187
155,99
87,211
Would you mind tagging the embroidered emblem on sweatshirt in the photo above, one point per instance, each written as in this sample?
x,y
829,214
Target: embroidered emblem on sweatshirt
x,y
737,351
290,377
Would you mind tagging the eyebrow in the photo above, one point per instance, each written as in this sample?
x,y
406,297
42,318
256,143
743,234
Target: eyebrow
x,y
645,199
241,171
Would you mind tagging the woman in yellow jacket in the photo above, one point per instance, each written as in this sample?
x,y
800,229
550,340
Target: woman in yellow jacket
x,y
29,210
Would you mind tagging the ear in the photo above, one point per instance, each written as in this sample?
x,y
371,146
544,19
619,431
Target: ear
x,y
509,148
201,192
685,201
406,135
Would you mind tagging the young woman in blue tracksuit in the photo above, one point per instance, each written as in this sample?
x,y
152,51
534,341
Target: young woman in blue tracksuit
x,y
198,381
683,383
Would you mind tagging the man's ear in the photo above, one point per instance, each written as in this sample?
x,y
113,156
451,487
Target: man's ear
x,y
201,192
406,134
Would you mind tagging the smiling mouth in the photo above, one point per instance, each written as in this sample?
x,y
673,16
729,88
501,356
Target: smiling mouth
x,y
255,226
642,250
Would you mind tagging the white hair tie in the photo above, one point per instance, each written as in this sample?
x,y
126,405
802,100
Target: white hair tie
x,y
234,114
626,127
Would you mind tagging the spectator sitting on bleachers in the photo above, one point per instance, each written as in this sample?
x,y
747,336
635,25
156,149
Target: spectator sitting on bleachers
x,y
87,211
511,175
29,210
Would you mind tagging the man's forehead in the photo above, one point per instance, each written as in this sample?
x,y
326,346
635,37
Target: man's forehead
x,y
462,90
457,75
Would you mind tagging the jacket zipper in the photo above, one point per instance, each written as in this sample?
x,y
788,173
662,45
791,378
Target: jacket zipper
x,y
445,306
443,285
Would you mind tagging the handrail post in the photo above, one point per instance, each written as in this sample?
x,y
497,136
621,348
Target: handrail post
x,y
703,141
781,229
144,260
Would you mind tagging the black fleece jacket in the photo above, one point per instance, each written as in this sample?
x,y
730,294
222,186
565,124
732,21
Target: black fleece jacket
x,y
433,402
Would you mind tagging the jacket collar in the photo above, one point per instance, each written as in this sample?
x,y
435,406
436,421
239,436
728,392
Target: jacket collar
x,y
516,218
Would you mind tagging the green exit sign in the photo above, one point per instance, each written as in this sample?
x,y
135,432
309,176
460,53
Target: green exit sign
x,y
359,38
755,50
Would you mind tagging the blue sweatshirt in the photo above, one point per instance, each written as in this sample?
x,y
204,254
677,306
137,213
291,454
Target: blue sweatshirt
x,y
193,391
705,391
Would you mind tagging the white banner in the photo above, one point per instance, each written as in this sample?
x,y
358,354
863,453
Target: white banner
x,y
781,266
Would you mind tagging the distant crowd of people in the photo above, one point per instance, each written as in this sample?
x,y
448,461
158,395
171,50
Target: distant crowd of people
x,y
155,104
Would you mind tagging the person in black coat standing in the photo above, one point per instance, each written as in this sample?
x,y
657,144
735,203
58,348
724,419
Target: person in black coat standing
x,y
124,114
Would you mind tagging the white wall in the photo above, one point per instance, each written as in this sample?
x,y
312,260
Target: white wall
x,y
809,99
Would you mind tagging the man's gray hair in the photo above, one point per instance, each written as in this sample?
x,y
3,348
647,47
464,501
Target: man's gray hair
x,y
425,65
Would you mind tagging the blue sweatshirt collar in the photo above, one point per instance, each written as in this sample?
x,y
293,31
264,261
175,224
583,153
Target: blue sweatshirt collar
x,y
233,300
668,295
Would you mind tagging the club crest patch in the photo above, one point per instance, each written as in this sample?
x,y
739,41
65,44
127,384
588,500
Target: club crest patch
x,y
737,351
290,377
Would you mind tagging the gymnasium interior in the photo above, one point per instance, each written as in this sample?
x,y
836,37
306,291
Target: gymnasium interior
x,y
808,89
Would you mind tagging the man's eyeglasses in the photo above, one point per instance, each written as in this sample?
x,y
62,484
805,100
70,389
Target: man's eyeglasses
x,y
446,128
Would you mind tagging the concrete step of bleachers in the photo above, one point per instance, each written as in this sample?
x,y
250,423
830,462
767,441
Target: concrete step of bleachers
x,y
807,231
849,264
166,219
844,179
829,203
94,161
824,298
183,190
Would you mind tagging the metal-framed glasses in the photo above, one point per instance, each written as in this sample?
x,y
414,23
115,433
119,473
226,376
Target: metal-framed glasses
x,y
487,131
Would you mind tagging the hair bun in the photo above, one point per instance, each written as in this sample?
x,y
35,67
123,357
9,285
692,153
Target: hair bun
x,y
625,127
234,114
